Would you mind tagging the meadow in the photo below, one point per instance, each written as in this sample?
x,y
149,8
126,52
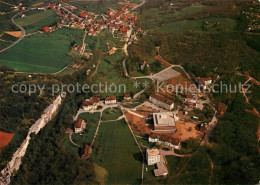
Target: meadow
x,y
42,53
116,151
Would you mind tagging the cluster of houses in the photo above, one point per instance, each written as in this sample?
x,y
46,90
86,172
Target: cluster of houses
x,y
119,21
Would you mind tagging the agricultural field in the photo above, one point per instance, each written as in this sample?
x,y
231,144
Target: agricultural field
x,y
96,7
116,151
41,57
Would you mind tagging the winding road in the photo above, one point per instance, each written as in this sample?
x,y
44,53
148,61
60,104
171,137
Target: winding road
x,y
22,36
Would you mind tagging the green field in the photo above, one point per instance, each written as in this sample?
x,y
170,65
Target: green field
x,y
218,24
111,114
92,122
116,151
34,18
42,53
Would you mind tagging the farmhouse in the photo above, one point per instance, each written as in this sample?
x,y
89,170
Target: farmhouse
x,y
161,101
110,100
166,139
79,126
222,108
203,82
91,104
152,156
164,122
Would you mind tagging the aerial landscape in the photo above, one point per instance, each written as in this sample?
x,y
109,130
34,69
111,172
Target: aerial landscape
x,y
129,92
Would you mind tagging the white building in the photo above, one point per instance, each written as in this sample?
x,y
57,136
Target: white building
x,y
161,101
91,104
164,122
79,126
152,156
110,100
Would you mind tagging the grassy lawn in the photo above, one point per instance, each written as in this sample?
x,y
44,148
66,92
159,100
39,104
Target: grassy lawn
x,y
41,53
116,151
88,135
111,114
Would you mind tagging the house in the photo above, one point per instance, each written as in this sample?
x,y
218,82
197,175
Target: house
x,y
167,140
83,14
161,169
203,82
164,122
110,100
91,104
112,51
222,108
79,126
161,101
87,151
152,156
52,6
127,97
46,29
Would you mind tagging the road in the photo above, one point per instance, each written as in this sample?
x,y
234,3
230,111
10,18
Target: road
x,y
22,36
139,5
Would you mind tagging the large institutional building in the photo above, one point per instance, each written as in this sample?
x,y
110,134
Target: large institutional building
x,y
161,101
152,156
164,122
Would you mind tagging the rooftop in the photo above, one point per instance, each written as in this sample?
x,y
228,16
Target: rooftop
x,y
164,119
162,99
152,152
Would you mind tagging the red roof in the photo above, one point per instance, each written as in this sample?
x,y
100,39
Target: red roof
x,y
123,29
108,12
83,14
139,29
46,28
135,18
162,99
52,6
78,123
123,8
110,98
